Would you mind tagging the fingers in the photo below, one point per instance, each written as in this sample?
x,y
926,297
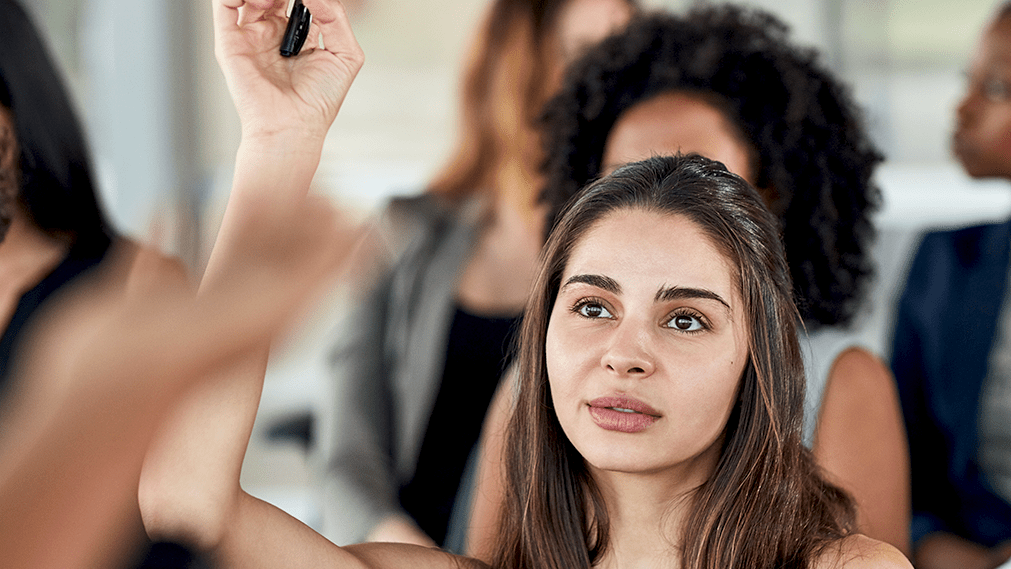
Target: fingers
x,y
256,10
335,27
230,15
226,15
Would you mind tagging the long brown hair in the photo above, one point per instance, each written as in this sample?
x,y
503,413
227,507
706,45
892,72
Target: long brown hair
x,y
766,504
510,74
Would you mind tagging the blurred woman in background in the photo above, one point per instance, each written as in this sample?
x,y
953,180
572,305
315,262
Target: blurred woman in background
x,y
420,356
51,225
950,350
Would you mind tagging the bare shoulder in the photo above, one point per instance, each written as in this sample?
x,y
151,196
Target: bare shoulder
x,y
857,363
859,385
127,253
397,555
861,552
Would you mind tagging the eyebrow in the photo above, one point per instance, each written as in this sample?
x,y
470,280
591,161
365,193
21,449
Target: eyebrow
x,y
665,294
599,281
674,293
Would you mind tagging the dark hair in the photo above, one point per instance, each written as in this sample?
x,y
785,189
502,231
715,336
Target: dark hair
x,y
504,88
811,149
53,177
766,505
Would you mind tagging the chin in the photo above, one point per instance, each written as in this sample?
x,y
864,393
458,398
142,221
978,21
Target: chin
x,y
619,459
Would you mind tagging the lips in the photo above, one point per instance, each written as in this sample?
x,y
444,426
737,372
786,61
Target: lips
x,y
622,414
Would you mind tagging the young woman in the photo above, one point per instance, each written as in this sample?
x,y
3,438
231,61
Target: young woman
x,y
661,388
725,82
419,356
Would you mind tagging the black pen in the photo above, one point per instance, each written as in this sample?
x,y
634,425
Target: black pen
x,y
297,30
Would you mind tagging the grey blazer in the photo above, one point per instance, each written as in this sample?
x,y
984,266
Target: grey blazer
x,y
388,360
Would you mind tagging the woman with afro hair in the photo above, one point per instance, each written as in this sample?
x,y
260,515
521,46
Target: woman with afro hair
x,y
725,82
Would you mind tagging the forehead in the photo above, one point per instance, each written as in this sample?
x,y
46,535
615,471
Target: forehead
x,y
654,249
995,45
677,121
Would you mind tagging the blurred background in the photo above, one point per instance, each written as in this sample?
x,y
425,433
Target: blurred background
x,y
163,134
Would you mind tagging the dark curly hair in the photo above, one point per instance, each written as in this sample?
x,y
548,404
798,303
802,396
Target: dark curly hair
x,y
812,150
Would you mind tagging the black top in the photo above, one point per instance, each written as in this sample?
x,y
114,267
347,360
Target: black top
x,y
477,354
75,264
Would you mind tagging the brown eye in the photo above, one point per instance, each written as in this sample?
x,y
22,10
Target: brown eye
x,y
685,323
593,310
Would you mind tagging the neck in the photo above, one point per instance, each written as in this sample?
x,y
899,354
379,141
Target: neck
x,y
518,187
27,254
647,513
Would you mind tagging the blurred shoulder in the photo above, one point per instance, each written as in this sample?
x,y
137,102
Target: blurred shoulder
x,y
407,212
861,552
128,256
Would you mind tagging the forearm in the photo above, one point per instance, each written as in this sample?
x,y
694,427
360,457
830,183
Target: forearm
x,y
272,174
277,167
260,535
263,536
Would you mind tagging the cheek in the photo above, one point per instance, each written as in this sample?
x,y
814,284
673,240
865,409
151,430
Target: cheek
x,y
558,361
718,381
719,386
1004,141
994,129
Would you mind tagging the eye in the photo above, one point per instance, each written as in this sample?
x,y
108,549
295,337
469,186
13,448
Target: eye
x,y
687,322
590,308
995,90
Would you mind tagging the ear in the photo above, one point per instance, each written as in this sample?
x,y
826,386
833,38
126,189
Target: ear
x,y
9,153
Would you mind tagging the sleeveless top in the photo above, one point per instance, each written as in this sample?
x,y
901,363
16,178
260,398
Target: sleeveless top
x,y
820,350
74,265
476,357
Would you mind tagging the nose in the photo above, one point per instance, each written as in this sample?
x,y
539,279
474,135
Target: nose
x,y
967,107
629,354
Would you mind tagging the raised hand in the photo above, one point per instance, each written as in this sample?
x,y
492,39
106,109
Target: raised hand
x,y
273,93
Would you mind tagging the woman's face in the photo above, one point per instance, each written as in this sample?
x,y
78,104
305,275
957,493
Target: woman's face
x,y
677,121
583,23
982,139
646,345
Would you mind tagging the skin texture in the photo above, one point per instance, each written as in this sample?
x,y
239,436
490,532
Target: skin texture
x,y
618,330
982,139
610,336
